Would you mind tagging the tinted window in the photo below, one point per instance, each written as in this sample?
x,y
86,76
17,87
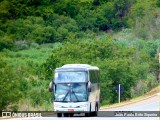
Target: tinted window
x,y
93,76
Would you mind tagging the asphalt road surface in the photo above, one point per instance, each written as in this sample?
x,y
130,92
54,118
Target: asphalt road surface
x,y
144,108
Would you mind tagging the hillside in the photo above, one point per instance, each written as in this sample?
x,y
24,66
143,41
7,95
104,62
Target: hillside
x,y
120,37
50,21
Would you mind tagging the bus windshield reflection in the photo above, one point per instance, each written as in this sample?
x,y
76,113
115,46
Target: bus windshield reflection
x,y
75,92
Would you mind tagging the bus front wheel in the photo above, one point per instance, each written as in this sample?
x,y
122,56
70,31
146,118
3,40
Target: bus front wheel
x,y
87,114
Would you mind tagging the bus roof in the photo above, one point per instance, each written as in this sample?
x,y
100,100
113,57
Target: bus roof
x,y
77,67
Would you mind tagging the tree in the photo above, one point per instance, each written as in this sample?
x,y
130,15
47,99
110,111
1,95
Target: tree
x,y
144,18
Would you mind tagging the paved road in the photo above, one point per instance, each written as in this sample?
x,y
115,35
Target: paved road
x,y
150,104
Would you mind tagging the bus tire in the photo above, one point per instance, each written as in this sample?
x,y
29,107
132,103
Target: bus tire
x,y
59,114
87,114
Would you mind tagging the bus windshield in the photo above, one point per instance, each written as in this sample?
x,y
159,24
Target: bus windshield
x,y
75,92
70,77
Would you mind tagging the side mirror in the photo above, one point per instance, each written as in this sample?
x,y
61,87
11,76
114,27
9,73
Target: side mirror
x,y
51,86
89,87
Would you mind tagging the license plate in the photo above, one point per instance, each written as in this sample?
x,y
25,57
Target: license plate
x,y
70,110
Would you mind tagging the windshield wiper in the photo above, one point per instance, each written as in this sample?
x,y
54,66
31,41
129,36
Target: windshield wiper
x,y
71,92
66,95
75,96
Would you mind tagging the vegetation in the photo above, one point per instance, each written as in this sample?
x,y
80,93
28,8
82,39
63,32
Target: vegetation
x,y
125,64
9,83
36,36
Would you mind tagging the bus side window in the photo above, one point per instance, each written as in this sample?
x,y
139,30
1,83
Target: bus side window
x,y
90,76
93,77
96,76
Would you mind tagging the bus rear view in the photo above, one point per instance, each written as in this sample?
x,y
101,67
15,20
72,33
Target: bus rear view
x,y
76,90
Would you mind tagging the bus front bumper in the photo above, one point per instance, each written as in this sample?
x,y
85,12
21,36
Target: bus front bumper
x,y
71,110
81,107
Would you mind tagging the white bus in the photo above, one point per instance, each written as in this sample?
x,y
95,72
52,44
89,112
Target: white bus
x,y
76,89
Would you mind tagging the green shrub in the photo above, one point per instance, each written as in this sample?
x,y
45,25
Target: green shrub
x,y
34,45
6,42
9,87
151,81
140,89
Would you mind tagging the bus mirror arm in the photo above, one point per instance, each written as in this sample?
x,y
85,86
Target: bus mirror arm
x,y
51,86
89,87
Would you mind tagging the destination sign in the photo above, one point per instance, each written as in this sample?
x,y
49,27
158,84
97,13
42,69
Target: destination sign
x,y
70,76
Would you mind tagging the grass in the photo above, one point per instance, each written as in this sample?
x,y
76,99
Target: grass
x,y
150,93
36,55
26,105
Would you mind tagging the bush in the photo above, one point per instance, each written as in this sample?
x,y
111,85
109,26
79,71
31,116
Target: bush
x,y
21,45
9,87
140,89
42,34
35,96
151,81
6,42
34,45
